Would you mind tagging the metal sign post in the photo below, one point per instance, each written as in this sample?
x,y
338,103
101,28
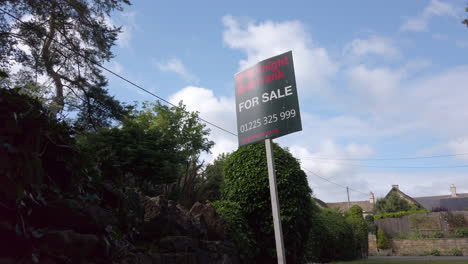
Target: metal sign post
x,y
267,107
281,254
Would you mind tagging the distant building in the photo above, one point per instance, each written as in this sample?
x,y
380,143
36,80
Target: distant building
x,y
452,202
367,206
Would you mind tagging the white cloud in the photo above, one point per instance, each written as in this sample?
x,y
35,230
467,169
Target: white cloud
x,y
455,146
115,66
431,104
126,20
265,39
416,184
375,103
435,8
128,28
175,65
374,45
218,110
377,85
343,173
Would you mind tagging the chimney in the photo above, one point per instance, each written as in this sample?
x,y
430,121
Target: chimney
x,y
453,190
371,198
395,186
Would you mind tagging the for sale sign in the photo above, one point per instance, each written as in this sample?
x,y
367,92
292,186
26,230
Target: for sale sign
x,y
266,100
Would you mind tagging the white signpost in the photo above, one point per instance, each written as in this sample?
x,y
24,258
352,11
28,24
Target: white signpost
x,y
267,107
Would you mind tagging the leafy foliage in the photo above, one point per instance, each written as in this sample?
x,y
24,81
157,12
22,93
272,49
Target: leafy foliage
x,y
461,232
360,230
400,214
39,168
237,228
392,203
154,149
66,40
382,240
371,227
246,183
331,238
455,252
209,186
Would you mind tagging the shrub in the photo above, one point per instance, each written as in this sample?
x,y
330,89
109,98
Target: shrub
x,y
434,252
246,183
455,252
400,214
371,227
331,238
236,228
437,234
360,230
392,203
382,240
461,232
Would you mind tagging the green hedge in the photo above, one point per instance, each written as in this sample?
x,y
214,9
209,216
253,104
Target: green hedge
x,y
246,184
382,240
400,214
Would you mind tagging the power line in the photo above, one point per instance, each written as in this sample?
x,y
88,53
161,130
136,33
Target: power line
x,y
396,158
398,167
325,179
234,134
120,76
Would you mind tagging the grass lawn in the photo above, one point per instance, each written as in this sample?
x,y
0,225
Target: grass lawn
x,y
396,261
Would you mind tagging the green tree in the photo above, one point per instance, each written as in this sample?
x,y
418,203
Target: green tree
x,y
371,228
392,203
246,183
331,237
155,149
65,40
360,230
209,184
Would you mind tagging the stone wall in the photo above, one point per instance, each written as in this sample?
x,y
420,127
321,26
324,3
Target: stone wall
x,y
408,247
425,223
418,246
372,249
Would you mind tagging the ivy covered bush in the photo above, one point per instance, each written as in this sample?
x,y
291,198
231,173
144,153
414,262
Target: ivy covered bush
x,y
382,240
246,184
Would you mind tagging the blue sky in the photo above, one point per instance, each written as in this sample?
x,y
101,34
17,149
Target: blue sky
x,y
375,80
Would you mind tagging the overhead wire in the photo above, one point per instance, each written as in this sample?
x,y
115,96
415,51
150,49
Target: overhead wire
x,y
397,167
122,78
395,158
337,184
234,134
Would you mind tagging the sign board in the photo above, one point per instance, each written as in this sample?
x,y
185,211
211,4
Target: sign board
x,y
266,100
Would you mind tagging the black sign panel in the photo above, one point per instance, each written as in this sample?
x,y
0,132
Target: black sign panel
x,y
266,100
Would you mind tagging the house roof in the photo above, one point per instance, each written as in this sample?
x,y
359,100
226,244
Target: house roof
x,y
446,201
429,202
343,206
404,195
